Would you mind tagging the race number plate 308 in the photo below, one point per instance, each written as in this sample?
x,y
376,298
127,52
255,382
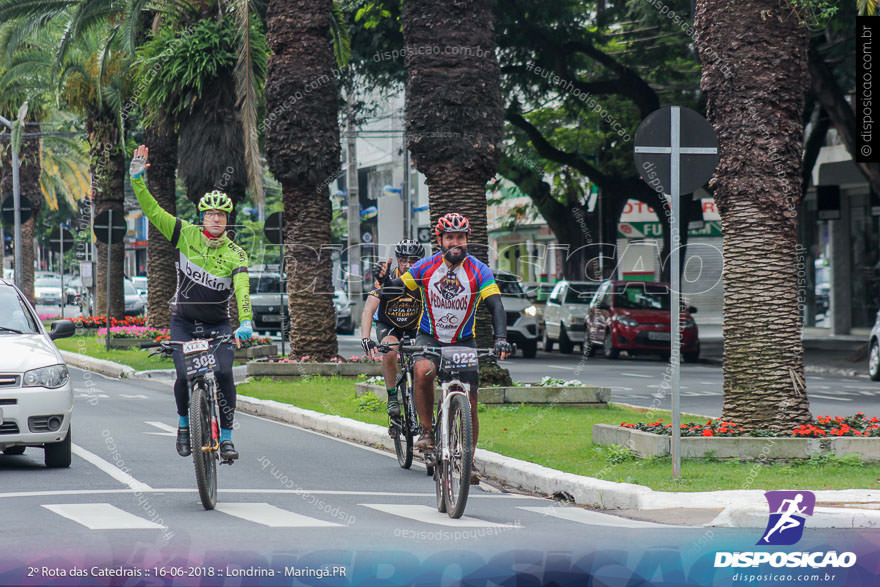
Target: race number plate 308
x,y
195,346
198,362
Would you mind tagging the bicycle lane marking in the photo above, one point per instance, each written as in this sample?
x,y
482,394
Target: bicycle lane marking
x,y
102,516
109,468
274,517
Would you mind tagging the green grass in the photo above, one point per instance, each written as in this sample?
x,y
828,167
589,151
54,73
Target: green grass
x,y
138,359
561,438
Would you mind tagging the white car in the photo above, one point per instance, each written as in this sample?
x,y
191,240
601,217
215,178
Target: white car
x,y
565,312
47,290
36,395
134,301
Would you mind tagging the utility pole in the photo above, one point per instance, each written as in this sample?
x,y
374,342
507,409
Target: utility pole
x,y
355,279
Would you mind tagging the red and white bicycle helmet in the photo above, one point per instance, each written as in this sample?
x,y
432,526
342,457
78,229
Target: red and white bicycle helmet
x,y
453,222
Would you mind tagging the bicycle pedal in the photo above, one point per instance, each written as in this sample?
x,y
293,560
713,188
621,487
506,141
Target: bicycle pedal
x,y
226,461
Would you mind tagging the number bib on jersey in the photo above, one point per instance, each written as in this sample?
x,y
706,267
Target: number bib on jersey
x,y
197,357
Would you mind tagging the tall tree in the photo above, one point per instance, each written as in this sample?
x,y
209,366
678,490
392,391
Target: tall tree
x,y
754,55
302,148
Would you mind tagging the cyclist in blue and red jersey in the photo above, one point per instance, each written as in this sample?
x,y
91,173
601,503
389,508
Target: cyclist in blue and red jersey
x,y
453,284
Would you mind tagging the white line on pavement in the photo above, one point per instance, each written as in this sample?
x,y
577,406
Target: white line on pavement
x,y
14,494
582,516
269,515
638,375
429,515
562,367
166,429
102,516
820,396
109,468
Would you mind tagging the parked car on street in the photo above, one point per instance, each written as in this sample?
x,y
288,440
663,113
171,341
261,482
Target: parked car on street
x,y
538,291
135,304
342,305
47,291
634,316
874,350
34,382
522,315
564,314
268,303
140,284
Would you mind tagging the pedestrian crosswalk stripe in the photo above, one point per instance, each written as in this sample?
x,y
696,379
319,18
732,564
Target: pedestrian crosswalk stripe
x,y
430,515
102,516
582,516
166,429
840,399
271,516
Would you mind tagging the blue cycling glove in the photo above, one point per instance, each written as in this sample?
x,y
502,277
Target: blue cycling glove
x,y
245,330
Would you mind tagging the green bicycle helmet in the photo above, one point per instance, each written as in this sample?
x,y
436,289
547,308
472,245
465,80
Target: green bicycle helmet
x,y
215,200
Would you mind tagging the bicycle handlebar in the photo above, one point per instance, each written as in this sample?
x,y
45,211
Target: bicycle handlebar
x,y
429,350
166,345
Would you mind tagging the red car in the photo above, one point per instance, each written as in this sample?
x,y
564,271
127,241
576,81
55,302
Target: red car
x,y
633,316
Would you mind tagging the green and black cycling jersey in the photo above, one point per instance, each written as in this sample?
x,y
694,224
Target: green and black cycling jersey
x,y
400,311
208,270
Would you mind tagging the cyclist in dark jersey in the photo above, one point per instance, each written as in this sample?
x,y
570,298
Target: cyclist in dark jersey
x,y
209,268
453,283
395,318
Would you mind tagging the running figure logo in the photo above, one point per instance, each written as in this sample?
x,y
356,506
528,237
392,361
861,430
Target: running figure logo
x,y
787,510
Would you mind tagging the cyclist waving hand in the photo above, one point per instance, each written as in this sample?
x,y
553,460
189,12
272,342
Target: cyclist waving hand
x,y
209,268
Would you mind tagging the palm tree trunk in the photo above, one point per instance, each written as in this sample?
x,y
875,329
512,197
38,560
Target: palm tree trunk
x,y
754,56
161,255
454,118
302,147
29,178
107,166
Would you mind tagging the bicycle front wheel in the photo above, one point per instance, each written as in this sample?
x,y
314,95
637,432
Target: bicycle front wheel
x,y
202,442
403,442
456,471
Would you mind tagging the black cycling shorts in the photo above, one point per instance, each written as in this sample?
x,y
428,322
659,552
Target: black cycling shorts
x,y
384,329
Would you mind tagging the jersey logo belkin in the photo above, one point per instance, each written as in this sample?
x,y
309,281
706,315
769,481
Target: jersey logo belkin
x,y
195,275
449,286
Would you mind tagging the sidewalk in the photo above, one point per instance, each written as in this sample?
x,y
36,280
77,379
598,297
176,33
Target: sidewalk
x,y
735,509
843,355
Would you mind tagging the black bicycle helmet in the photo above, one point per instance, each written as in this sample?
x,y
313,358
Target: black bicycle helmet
x,y
409,249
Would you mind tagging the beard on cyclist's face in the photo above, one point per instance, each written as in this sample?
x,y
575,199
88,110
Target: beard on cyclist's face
x,y
214,222
454,246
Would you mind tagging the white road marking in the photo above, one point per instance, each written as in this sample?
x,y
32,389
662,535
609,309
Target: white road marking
x,y
869,393
167,430
271,516
13,494
562,367
583,516
429,515
708,383
637,375
133,396
102,516
840,399
621,389
109,468
93,395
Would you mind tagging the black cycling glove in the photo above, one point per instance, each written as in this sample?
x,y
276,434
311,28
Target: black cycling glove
x,y
502,346
369,344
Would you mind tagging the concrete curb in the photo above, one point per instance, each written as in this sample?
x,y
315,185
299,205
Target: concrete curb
x,y
743,508
108,368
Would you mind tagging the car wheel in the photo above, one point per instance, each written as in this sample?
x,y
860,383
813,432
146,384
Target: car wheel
x,y
565,344
529,349
874,362
548,343
14,450
608,349
58,453
692,356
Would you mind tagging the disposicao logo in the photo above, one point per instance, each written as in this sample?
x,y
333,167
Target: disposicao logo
x,y
787,510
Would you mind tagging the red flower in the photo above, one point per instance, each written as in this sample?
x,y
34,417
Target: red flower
x,y
707,432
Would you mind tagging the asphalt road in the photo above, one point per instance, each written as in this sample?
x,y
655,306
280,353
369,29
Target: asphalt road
x,y
294,498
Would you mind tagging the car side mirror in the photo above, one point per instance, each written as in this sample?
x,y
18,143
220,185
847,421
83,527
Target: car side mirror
x,y
692,309
62,329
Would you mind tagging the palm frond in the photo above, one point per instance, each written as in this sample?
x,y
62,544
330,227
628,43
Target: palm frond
x,y
15,9
133,24
102,64
339,34
867,7
246,94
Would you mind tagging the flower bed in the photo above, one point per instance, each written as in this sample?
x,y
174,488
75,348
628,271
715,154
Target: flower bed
x,y
821,427
132,336
853,435
94,322
256,347
289,367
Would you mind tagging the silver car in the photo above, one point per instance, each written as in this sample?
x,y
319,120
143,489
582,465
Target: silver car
x,y
874,351
36,395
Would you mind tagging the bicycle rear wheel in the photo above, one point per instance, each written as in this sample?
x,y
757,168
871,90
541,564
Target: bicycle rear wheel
x,y
202,442
437,470
403,442
455,472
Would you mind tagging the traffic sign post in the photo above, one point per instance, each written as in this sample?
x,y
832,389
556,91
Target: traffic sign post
x,y
109,231
274,230
669,141
61,237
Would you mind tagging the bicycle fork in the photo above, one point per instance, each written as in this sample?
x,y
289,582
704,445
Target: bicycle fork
x,y
445,453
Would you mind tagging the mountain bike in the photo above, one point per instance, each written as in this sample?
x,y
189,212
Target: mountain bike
x,y
452,459
198,356
404,427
